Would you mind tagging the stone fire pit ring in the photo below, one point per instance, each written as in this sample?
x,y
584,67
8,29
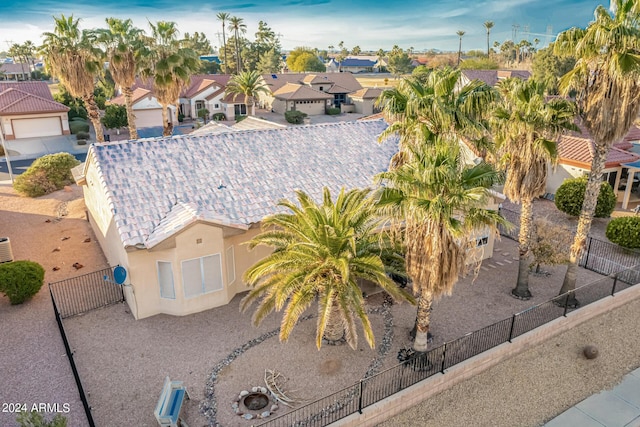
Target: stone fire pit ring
x,y
253,404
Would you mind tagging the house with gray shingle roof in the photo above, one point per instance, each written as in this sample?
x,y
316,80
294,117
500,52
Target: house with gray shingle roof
x,y
27,110
176,211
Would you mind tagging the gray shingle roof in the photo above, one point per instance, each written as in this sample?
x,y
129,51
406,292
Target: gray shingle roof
x,y
157,186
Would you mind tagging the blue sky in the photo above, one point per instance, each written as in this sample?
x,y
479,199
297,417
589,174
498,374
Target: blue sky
x,y
372,24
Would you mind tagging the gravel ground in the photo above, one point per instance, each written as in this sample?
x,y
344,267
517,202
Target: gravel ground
x,y
541,383
123,362
33,364
109,344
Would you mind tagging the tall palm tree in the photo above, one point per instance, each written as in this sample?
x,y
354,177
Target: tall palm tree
x,y
251,85
72,56
321,251
525,129
460,33
171,67
488,25
418,111
238,26
438,203
125,47
224,17
606,79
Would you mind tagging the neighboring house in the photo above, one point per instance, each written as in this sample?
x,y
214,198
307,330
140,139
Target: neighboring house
x,y
146,108
249,123
27,110
491,77
17,72
575,154
176,212
364,100
211,58
307,92
352,65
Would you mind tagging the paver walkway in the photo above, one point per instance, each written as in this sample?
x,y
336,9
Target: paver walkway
x,y
618,407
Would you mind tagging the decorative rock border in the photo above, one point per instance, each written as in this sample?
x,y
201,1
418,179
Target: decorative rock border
x,y
209,408
249,414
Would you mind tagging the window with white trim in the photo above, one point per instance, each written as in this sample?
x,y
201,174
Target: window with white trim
x,y
231,265
165,280
201,275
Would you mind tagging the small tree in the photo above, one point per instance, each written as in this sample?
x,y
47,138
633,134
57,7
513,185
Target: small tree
x,y
570,196
550,243
115,117
625,231
20,280
203,113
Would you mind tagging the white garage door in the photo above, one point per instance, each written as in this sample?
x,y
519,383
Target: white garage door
x,y
32,128
148,118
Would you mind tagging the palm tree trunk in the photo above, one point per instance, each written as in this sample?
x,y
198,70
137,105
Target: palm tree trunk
x,y
459,51
224,43
423,319
94,115
521,291
584,223
334,331
488,51
167,124
131,118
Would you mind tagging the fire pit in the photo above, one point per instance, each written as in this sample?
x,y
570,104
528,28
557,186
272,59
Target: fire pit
x,y
255,401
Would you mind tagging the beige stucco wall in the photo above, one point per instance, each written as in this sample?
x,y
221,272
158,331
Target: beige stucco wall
x,y
279,106
7,128
363,106
312,108
562,172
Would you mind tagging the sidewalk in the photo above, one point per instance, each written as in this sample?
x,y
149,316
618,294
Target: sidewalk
x,y
619,406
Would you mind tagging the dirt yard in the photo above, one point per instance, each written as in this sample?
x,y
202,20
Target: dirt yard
x,y
50,230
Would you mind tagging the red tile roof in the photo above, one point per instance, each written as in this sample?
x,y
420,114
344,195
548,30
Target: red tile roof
x,y
367,93
197,83
40,89
578,151
292,91
138,94
15,101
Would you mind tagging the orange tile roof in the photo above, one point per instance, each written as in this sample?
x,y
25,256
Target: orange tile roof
x,y
14,102
137,95
579,151
314,78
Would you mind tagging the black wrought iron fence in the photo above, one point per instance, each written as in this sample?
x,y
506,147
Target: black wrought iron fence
x,y
424,365
74,369
87,292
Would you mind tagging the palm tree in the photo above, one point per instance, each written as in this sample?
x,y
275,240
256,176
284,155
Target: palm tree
x,y
437,203
525,129
488,25
71,55
125,48
606,79
321,252
224,17
418,111
171,67
460,33
238,26
251,85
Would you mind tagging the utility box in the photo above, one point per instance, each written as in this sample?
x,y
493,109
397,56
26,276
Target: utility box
x,y
6,255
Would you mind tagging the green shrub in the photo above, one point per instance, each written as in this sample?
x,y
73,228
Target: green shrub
x,y
240,117
570,196
36,419
625,231
115,117
82,135
295,117
180,117
20,280
218,117
203,113
78,111
76,126
46,175
332,111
